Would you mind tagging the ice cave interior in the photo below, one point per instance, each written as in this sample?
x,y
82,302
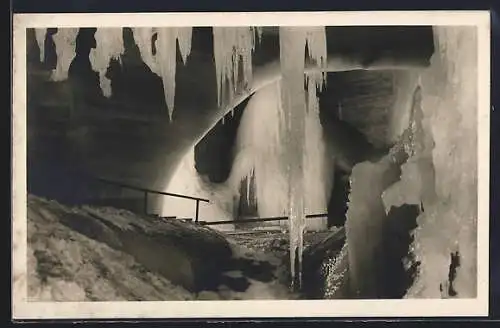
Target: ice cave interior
x,y
370,127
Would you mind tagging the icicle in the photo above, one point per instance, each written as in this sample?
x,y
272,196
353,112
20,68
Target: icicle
x,y
65,43
143,39
316,45
109,45
184,36
164,62
40,34
166,53
232,45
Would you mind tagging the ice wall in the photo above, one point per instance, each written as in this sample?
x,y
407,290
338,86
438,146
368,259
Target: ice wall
x,y
449,221
440,176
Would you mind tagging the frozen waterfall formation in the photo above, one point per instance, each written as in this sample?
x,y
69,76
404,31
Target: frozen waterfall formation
x,y
199,91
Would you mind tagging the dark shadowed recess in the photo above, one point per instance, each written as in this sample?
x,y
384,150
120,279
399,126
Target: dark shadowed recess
x,y
396,278
214,153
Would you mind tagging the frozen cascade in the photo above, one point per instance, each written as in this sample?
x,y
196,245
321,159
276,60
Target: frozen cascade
x,y
164,62
65,43
233,45
40,34
109,45
259,153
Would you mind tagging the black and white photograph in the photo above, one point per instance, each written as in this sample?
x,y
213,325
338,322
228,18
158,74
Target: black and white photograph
x,y
180,165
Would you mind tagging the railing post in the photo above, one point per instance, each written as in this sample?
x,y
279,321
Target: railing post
x,y
146,202
197,210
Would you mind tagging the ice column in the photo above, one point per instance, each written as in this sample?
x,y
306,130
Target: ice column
x,y
65,42
292,47
163,62
109,45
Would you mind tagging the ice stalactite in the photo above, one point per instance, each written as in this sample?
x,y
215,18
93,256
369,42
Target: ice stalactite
x,y
232,46
40,34
65,43
166,54
109,45
164,62
293,41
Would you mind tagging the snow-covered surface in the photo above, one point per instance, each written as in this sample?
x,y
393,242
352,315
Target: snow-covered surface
x,y
64,265
80,254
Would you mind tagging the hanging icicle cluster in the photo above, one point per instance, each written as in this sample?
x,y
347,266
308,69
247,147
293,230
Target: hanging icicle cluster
x,y
233,45
293,41
109,45
65,42
163,62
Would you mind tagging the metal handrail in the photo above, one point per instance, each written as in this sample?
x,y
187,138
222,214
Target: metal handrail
x,y
276,218
147,191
